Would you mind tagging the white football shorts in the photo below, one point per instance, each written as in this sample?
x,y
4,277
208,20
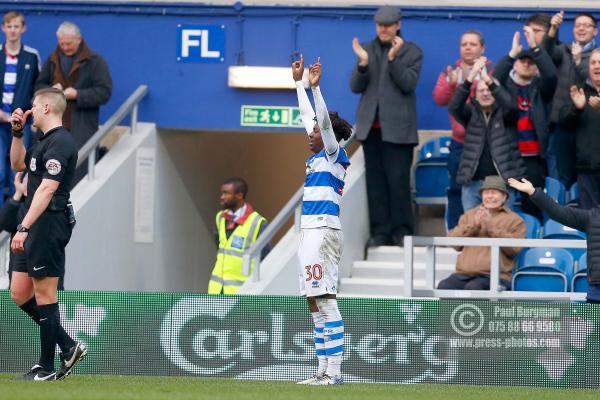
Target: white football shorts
x,y
319,255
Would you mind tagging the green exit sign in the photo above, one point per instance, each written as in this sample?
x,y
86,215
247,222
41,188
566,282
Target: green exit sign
x,y
284,117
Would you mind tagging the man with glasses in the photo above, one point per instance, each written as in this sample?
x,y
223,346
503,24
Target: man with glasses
x,y
572,62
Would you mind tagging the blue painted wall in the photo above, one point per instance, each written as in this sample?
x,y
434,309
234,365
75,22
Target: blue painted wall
x,y
139,42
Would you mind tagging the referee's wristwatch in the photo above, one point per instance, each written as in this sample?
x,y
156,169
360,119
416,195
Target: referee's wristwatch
x,y
22,228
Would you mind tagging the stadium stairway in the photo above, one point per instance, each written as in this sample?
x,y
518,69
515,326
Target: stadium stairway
x,y
382,273
136,222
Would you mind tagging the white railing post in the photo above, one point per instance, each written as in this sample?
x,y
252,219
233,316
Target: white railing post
x,y
297,218
495,270
430,267
91,165
247,260
246,263
256,274
408,266
134,119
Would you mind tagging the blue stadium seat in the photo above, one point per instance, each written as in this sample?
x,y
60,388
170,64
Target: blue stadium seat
x,y
580,282
533,230
573,195
555,189
556,230
544,269
435,149
431,172
532,226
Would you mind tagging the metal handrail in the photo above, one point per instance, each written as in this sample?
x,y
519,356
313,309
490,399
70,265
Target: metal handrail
x,y
495,244
129,106
89,148
252,255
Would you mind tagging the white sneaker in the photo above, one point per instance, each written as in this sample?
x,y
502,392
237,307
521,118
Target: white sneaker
x,y
329,380
311,380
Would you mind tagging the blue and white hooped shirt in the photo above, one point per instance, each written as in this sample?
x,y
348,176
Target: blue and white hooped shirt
x,y
323,189
10,82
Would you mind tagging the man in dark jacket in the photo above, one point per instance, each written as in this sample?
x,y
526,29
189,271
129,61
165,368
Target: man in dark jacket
x,y
587,221
19,69
530,78
572,61
83,76
490,141
386,123
472,46
583,113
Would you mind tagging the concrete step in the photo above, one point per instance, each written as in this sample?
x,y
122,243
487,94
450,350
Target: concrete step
x,y
385,270
375,287
382,274
443,255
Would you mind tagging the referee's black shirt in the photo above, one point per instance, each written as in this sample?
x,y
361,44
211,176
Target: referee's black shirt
x,y
54,157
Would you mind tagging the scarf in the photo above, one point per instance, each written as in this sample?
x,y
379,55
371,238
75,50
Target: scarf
x,y
239,217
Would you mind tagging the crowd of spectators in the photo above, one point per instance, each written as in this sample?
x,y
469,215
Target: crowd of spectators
x,y
535,113
73,67
532,114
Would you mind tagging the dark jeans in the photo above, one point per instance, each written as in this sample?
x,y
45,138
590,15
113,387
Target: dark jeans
x,y
536,174
454,207
468,282
388,186
589,189
564,148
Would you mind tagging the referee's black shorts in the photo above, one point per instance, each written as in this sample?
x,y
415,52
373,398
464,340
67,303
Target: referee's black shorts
x,y
45,246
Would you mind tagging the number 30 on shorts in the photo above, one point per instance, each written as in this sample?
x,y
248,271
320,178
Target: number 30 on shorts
x,y
313,272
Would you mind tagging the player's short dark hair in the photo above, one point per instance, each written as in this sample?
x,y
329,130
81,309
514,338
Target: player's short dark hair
x,y
341,128
239,185
590,16
476,33
542,19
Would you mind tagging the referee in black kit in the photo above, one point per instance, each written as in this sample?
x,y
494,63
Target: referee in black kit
x,y
39,244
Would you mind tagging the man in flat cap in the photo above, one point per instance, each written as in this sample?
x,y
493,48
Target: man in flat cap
x,y
491,219
386,76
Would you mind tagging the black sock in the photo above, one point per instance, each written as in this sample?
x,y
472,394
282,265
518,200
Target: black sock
x,y
63,339
49,323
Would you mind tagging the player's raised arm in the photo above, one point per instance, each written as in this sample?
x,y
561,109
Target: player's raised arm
x,y
306,112
329,140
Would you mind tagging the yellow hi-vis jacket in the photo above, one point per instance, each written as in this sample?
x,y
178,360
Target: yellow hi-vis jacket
x,y
227,276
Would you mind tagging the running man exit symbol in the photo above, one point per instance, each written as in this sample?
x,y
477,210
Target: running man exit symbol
x,y
201,43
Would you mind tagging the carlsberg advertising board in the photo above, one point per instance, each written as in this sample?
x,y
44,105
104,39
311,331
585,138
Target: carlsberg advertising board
x,y
270,337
